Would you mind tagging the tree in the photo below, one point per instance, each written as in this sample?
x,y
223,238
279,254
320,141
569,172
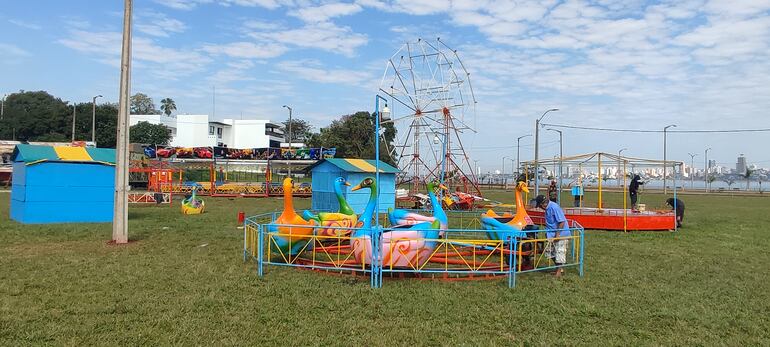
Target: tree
x,y
148,133
729,180
167,105
353,136
142,104
301,130
747,176
711,178
39,116
36,116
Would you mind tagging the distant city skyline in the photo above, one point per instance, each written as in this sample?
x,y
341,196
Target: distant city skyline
x,y
702,65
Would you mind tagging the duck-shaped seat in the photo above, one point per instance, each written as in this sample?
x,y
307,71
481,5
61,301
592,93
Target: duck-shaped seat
x,y
334,222
403,217
294,232
401,246
503,227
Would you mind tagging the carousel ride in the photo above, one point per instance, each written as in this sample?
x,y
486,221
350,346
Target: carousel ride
x,y
412,243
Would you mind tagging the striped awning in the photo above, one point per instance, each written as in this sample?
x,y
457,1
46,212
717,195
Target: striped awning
x,y
33,154
356,165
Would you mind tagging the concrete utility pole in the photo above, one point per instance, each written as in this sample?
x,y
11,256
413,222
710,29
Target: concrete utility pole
x,y
665,164
537,147
74,107
93,121
120,216
289,136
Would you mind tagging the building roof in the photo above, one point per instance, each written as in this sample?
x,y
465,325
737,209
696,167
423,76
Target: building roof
x,y
355,165
33,154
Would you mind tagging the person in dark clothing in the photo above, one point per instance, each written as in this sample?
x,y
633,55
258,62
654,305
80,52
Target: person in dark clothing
x,y
633,190
677,205
553,192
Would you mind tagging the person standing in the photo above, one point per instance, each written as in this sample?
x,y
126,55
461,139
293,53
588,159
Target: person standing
x,y
557,230
633,190
553,192
577,192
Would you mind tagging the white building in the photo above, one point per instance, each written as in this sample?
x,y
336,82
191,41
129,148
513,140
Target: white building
x,y
193,130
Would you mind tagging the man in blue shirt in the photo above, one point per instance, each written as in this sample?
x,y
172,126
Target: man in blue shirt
x,y
555,222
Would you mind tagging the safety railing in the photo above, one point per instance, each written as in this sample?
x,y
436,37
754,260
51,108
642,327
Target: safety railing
x,y
397,252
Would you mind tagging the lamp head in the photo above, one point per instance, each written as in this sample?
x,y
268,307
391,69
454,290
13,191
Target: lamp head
x,y
385,113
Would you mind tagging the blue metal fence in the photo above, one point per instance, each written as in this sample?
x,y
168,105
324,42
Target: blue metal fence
x,y
395,252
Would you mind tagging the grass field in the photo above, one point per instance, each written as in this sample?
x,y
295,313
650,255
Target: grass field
x,y
182,281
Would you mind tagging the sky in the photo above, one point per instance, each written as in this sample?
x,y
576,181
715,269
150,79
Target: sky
x,y
625,64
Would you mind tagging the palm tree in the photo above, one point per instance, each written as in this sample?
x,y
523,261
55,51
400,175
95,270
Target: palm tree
x,y
167,105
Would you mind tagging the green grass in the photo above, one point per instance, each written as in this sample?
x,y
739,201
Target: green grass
x,y
182,281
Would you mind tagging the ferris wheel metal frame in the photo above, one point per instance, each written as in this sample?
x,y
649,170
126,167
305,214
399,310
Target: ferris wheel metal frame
x,y
430,86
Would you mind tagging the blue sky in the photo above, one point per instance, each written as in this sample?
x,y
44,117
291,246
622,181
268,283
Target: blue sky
x,y
617,64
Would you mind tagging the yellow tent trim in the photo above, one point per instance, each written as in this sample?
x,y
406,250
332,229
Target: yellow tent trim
x,y
72,153
362,164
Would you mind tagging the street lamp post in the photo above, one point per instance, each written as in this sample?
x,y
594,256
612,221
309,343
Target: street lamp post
x,y
537,155
706,170
289,163
692,166
378,115
2,106
665,164
93,121
518,142
617,175
502,172
561,156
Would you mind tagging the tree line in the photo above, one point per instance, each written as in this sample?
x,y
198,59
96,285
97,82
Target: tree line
x,y
40,116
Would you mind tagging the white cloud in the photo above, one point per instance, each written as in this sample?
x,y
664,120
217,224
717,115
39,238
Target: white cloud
x,y
313,71
25,24
325,12
191,4
247,50
182,4
164,62
12,54
269,4
158,24
325,36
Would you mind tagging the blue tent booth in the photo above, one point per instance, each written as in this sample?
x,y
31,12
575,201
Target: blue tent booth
x,y
62,184
324,173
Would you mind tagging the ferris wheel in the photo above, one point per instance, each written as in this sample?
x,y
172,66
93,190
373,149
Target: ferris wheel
x,y
432,105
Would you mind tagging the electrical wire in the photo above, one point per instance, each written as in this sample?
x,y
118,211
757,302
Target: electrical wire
x,y
657,131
